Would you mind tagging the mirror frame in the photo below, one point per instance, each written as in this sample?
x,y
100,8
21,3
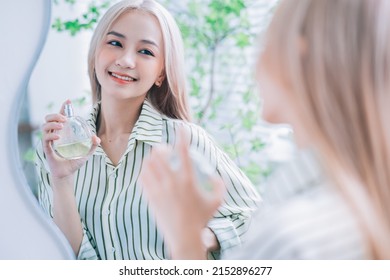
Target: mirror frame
x,y
26,231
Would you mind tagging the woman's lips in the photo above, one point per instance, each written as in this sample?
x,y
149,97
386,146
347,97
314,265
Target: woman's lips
x,y
122,77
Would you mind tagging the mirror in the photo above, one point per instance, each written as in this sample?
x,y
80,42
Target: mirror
x,y
26,233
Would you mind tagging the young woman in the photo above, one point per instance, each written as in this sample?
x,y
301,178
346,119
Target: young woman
x,y
323,69
137,78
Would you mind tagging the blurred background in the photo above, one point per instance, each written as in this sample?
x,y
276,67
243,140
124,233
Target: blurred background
x,y
222,38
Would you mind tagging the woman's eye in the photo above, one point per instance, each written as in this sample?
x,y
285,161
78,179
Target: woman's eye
x,y
147,52
115,43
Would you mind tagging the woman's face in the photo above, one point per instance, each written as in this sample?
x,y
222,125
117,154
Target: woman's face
x,y
279,104
276,108
130,58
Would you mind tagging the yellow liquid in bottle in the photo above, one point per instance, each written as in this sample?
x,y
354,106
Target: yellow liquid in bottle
x,y
73,150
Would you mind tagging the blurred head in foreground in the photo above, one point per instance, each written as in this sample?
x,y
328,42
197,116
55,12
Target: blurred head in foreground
x,y
324,69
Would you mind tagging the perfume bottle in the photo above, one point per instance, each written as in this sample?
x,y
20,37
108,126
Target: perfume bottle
x,y
75,137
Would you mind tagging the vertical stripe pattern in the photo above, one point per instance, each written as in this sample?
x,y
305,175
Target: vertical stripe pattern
x,y
115,216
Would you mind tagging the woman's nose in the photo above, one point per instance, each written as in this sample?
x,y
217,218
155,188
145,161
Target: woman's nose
x,y
126,60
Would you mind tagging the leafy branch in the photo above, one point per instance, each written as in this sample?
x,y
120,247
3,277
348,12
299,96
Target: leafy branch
x,y
86,21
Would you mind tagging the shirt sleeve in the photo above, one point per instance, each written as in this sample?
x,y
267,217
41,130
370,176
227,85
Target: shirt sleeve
x,y
232,219
45,198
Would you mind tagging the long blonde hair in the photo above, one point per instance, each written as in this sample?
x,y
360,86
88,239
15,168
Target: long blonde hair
x,y
334,55
171,97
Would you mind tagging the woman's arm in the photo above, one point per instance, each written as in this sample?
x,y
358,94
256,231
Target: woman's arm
x,y
52,203
65,212
61,173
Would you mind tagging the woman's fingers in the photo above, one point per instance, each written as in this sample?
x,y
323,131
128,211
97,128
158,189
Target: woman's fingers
x,y
49,133
59,117
51,126
55,118
185,159
54,122
162,166
149,181
218,192
95,142
51,136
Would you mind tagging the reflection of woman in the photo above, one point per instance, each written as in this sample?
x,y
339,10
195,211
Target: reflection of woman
x,y
136,72
324,70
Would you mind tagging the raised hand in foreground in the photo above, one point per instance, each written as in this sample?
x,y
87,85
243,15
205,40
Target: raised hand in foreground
x,y
180,207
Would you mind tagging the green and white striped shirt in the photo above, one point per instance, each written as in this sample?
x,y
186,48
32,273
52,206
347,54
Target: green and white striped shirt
x,y
115,216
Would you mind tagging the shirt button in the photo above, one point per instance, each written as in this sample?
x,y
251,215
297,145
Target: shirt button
x,y
113,249
107,212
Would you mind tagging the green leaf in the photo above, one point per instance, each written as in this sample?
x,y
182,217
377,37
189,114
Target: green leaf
x,y
242,40
249,120
58,25
85,21
247,97
257,145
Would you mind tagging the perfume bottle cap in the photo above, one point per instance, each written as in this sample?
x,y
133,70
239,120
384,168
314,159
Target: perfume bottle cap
x,y
68,110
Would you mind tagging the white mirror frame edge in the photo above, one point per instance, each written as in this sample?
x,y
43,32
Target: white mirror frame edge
x,y
26,232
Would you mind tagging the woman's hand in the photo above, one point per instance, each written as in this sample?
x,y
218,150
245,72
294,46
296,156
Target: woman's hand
x,y
60,168
181,208
65,212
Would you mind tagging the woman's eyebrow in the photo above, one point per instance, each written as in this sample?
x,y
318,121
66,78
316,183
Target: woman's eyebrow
x,y
150,42
116,34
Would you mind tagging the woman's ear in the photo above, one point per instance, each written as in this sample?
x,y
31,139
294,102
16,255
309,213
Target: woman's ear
x,y
160,79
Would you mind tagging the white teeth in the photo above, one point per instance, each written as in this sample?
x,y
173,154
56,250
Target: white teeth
x,y
122,77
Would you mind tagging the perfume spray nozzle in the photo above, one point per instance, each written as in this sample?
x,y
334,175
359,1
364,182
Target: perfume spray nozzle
x,y
68,110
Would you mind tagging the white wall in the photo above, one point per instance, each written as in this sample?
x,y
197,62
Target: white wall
x,y
61,71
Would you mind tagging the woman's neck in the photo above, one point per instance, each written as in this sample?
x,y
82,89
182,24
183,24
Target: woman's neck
x,y
118,117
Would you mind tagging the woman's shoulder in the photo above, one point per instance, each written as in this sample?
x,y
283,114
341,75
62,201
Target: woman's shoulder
x,y
190,129
182,123
317,225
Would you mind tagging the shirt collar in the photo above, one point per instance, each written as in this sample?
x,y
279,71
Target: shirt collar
x,y
148,128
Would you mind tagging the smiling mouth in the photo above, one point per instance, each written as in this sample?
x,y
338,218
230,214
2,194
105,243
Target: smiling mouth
x,y
122,77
